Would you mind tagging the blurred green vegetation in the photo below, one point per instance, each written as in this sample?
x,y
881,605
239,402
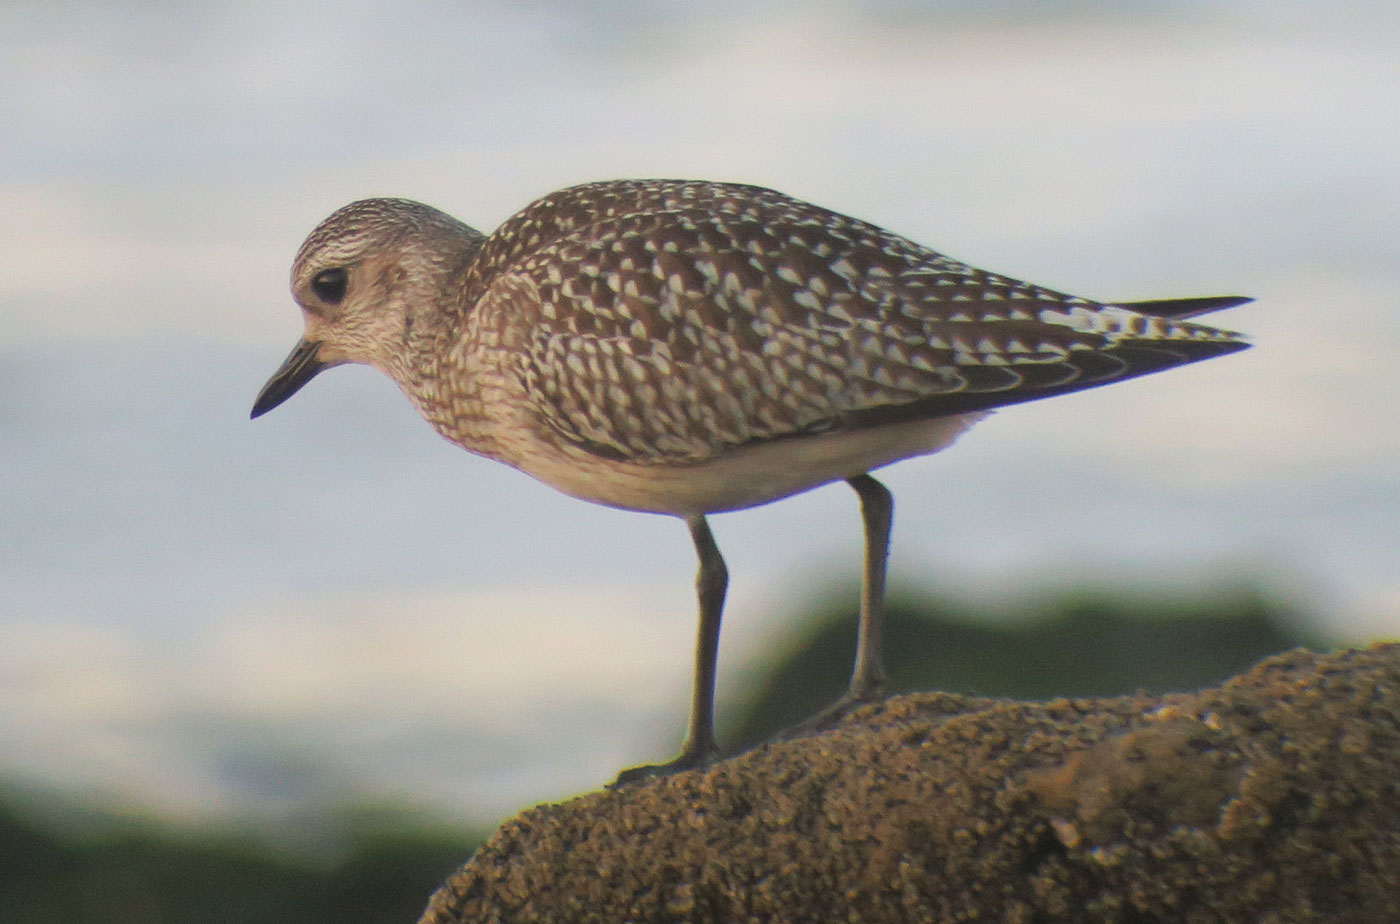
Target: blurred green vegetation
x,y
384,869
1081,644
147,873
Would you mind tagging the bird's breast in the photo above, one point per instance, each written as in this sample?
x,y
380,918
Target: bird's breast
x,y
738,477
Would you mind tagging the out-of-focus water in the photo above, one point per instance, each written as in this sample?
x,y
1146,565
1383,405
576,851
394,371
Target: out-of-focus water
x,y
211,616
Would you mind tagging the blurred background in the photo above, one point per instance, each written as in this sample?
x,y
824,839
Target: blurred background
x,y
324,652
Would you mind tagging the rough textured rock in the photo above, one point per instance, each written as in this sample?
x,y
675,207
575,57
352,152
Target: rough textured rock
x,y
1273,798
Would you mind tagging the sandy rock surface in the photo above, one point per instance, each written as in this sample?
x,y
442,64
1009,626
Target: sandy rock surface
x,y
1272,798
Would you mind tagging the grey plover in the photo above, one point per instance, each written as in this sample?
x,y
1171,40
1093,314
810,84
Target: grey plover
x,y
687,348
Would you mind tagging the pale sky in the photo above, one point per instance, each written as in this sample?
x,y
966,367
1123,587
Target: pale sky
x,y
211,617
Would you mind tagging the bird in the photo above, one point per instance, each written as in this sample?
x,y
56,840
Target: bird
x,y
686,347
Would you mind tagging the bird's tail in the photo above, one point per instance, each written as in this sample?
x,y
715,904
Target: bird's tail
x,y
1177,308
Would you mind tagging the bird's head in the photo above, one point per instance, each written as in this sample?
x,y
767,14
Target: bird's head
x,y
364,277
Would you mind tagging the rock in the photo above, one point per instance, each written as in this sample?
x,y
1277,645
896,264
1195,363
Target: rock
x,y
1272,798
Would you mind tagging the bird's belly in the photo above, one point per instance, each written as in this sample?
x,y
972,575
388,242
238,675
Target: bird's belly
x,y
745,476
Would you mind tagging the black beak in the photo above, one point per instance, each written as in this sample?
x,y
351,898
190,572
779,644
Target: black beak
x,y
296,370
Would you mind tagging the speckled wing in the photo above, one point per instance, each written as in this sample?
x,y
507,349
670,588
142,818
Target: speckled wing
x,y
676,326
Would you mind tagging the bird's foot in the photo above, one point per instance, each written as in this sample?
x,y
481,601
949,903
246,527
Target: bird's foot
x,y
853,699
689,759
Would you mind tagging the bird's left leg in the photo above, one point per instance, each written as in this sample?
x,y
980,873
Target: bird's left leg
x,y
710,584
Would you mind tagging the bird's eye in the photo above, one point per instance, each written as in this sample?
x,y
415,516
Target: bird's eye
x,y
329,285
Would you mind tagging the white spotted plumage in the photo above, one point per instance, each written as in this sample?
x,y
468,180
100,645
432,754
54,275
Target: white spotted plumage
x,y
647,324
687,347
768,318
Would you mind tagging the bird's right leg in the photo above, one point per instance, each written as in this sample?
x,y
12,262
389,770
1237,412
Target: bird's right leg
x,y
710,585
877,510
868,677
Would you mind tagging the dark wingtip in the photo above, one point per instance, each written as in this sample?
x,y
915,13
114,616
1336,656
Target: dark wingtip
x,y
1185,307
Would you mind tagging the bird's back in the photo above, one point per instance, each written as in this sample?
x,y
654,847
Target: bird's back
x,y
665,321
